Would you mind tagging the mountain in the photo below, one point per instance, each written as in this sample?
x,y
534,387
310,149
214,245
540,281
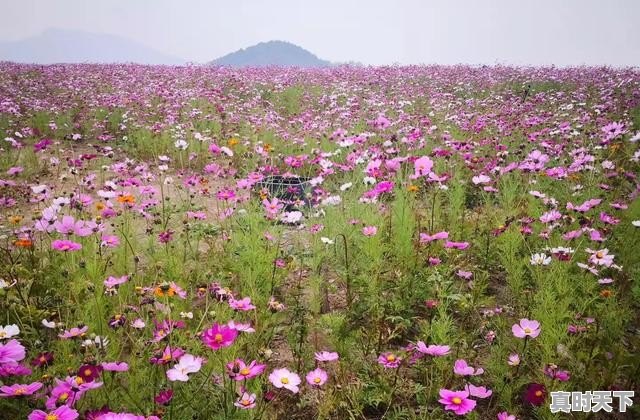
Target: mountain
x,y
71,46
272,53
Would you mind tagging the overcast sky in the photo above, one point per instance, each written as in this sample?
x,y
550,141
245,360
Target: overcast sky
x,y
561,32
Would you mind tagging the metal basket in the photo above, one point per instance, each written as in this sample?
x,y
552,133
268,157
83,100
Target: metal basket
x,y
292,190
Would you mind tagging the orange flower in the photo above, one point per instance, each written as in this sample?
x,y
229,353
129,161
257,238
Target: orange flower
x,y
233,141
606,293
24,243
413,188
126,199
14,220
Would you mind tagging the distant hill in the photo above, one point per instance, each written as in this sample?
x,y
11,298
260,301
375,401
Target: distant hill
x,y
272,53
71,46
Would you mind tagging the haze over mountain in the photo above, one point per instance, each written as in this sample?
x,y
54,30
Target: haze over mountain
x,y
271,53
71,46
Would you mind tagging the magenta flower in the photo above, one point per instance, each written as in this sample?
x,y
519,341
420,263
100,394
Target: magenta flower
x,y
11,352
14,369
283,378
422,167
317,377
239,370
19,390
426,238
65,245
526,328
60,413
219,336
506,416
456,401
112,282
456,245
246,401
164,397
241,304
326,356
432,349
461,368
167,355
389,360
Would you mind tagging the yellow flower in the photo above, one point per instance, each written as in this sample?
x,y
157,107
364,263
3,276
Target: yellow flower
x,y
413,188
233,141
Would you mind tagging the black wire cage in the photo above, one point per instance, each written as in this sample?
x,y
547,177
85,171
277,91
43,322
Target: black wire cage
x,y
294,191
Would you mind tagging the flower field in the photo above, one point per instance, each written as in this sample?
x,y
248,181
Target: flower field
x,y
422,242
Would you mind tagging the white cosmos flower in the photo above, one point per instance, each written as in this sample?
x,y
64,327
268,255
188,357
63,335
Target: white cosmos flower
x,y
326,240
181,144
9,331
49,324
291,217
636,223
346,186
540,259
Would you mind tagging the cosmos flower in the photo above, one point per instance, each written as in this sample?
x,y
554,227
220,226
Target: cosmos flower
x,y
9,331
456,401
61,413
389,360
432,349
241,304
369,230
526,328
11,352
65,245
186,365
326,356
246,401
540,259
283,378
317,377
19,390
535,394
461,368
219,336
238,370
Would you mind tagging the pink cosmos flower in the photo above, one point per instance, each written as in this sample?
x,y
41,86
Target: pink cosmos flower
x,y
110,241
65,245
19,390
241,327
246,401
456,401
219,336
326,356
242,304
317,377
239,370
74,332
514,359
11,352
167,355
526,328
456,245
426,238
422,167
283,378
478,391
550,216
115,366
226,194
112,282
186,365
14,369
369,230
461,368
433,349
389,360
506,416
60,413
600,257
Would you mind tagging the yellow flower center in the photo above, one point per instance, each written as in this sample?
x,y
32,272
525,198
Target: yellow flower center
x,y
456,400
244,371
79,380
87,372
316,380
245,402
599,254
63,397
218,338
538,393
284,380
51,417
527,330
391,358
20,391
3,334
43,359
